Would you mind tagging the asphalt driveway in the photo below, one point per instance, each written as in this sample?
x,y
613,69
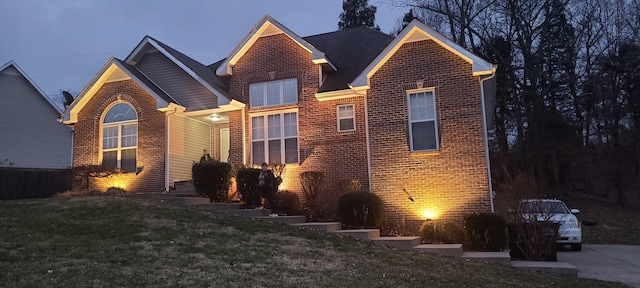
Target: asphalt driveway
x,y
620,263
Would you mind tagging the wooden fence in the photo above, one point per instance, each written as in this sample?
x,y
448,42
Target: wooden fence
x,y
21,183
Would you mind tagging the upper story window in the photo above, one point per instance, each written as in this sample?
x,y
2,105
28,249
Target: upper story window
x,y
423,128
273,93
346,118
120,138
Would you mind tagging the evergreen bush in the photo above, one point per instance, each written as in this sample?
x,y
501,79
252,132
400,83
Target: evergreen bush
x,y
247,183
361,209
288,203
211,179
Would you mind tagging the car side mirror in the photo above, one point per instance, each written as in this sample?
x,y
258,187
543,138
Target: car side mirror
x,y
575,211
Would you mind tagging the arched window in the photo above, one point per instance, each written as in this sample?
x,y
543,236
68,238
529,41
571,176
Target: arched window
x,y
120,138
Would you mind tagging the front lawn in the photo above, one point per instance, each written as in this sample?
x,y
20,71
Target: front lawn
x,y
121,242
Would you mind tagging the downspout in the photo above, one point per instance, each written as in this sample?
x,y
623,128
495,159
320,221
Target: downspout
x,y
244,135
73,139
166,152
366,130
486,138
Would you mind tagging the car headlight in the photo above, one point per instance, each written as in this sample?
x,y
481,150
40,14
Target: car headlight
x,y
573,223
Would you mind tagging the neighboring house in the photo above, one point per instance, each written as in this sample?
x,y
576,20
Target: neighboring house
x,y
398,114
30,134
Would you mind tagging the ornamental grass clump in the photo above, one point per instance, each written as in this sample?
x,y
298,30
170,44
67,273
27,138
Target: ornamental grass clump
x,y
486,231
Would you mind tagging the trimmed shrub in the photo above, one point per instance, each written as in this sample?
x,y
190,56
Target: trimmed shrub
x,y
211,179
485,231
441,232
361,209
247,182
288,203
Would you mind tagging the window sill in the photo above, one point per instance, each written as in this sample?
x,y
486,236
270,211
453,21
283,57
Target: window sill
x,y
425,153
347,132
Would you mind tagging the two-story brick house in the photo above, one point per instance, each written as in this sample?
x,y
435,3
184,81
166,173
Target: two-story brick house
x,y
403,115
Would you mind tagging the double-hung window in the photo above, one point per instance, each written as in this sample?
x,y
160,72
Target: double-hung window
x,y
346,118
274,138
120,138
423,128
273,93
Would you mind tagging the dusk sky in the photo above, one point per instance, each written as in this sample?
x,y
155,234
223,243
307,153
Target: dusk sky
x,y
61,44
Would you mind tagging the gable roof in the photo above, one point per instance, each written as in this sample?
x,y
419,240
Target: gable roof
x,y
351,50
70,115
418,31
265,27
195,69
44,96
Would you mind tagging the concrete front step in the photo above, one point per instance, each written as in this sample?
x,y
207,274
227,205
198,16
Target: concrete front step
x,y
322,226
502,258
558,268
180,185
284,219
247,212
186,200
216,206
403,242
161,196
453,250
365,234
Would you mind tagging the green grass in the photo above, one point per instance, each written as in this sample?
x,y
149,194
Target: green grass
x,y
121,242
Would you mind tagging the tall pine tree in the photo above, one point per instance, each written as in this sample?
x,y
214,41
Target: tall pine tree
x,y
357,13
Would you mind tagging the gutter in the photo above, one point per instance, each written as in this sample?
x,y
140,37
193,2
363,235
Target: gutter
x,y
486,139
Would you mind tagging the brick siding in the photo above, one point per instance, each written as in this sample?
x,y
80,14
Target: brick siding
x,y
322,148
453,180
151,135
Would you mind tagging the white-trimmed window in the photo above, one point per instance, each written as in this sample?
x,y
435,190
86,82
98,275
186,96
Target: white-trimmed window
x,y
423,127
274,138
120,138
273,93
346,118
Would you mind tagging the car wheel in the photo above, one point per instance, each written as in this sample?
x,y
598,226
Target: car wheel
x,y
576,247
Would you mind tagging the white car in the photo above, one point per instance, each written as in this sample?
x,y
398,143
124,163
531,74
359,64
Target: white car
x,y
554,210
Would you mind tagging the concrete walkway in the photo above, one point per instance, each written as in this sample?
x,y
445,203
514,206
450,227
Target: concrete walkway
x,y
618,263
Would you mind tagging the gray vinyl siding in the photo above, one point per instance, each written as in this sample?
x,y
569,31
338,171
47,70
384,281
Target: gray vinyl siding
x,y
176,82
187,138
30,135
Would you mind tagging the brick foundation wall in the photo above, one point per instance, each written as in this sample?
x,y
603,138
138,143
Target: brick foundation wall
x,y
151,136
451,181
322,148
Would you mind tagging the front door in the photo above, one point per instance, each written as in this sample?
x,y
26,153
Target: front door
x,y
224,144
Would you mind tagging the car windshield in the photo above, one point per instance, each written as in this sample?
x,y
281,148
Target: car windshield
x,y
543,207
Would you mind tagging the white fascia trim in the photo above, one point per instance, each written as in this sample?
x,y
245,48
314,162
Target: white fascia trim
x,y
339,94
479,65
226,68
44,95
191,73
70,115
233,106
